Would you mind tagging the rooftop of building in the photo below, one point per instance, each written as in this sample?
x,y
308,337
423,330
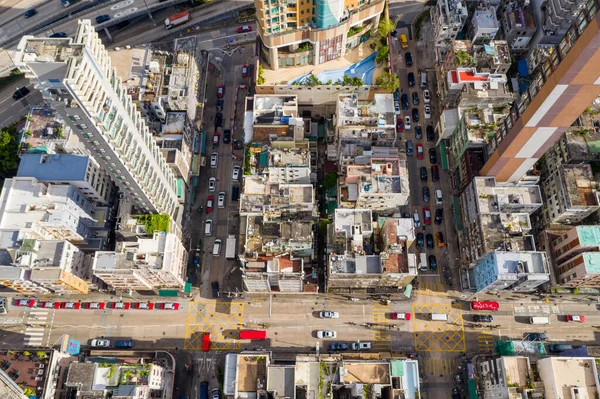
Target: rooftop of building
x,y
48,50
355,263
529,262
591,261
42,253
367,373
397,230
588,235
516,370
275,238
494,197
27,371
370,184
54,167
281,381
274,197
274,109
42,129
507,232
485,18
353,221
571,373
251,373
292,157
452,11
377,113
580,185
519,17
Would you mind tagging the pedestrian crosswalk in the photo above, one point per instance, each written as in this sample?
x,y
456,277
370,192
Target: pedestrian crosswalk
x,y
438,366
382,336
434,289
485,341
35,330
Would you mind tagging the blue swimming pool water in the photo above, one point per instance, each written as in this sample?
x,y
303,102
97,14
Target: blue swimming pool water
x,y
363,69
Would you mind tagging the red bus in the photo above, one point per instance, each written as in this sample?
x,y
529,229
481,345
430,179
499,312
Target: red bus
x,y
206,342
253,334
485,305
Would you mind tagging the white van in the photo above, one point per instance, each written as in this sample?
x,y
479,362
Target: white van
x,y
416,219
423,263
539,320
439,317
423,82
438,197
217,248
208,227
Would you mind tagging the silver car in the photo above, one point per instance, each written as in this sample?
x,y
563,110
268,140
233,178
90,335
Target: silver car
x,y
100,343
326,334
236,172
221,200
329,315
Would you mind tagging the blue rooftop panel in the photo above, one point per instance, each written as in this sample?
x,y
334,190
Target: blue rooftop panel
x,y
54,167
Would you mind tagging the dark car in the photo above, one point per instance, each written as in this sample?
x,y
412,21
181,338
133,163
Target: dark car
x,y
397,95
220,105
456,394
235,193
432,263
59,34
432,156
483,318
439,214
227,136
435,173
102,18
408,59
415,97
411,79
124,344
420,240
430,133
215,289
415,115
418,132
429,241
423,174
338,347
219,120
20,93
406,215
426,197
409,148
404,100
30,13
536,337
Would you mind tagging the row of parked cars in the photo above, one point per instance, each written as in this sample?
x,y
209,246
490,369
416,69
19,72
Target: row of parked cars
x,y
97,305
105,343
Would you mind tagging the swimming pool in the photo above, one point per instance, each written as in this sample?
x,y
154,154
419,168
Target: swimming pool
x,y
363,69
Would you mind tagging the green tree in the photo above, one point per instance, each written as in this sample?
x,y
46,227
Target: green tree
x,y
312,80
9,147
261,79
330,180
382,54
388,81
385,27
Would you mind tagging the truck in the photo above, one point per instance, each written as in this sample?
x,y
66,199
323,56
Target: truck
x,y
230,247
177,19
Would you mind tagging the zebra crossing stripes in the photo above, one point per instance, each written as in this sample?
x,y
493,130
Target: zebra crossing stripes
x,y
35,331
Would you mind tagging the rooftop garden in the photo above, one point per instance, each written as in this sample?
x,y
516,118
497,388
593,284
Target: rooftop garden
x,y
154,222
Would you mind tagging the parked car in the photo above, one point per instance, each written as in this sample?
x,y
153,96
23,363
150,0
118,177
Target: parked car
x,y
418,132
213,160
360,346
227,136
415,115
215,289
221,91
419,151
336,346
423,174
244,29
404,100
168,306
408,59
326,334
219,120
94,305
400,316
426,96
427,111
429,241
220,102
144,305
411,79
221,200
426,216
432,263
432,156
397,94
420,240
329,315
212,184
426,196
534,336
430,133
399,125
559,347
244,71
46,305
124,344
235,175
59,34
20,93
439,214
439,236
397,107
435,173
25,302
415,98
416,219
210,203
575,318
30,13
119,305
70,305
102,18
407,122
100,343
483,318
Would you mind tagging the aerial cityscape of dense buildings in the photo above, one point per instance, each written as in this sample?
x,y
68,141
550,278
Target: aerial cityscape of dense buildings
x,y
295,199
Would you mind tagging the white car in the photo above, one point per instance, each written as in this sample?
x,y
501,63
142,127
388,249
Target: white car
x,y
357,346
213,160
426,97
329,315
236,172
427,111
326,334
100,343
407,123
212,184
221,200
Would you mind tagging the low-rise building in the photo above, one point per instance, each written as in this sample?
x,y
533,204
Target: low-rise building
x,y
507,377
569,377
273,117
518,25
573,242
289,165
157,259
484,25
571,194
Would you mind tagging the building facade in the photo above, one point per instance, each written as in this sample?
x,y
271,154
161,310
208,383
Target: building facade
x,y
76,77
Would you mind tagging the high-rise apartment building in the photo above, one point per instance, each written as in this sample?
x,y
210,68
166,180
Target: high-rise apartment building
x,y
304,32
76,77
563,84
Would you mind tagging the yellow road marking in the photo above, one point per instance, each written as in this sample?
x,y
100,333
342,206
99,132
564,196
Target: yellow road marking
x,y
221,319
438,336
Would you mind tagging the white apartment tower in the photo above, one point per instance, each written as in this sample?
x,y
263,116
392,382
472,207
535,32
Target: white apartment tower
x,y
75,75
